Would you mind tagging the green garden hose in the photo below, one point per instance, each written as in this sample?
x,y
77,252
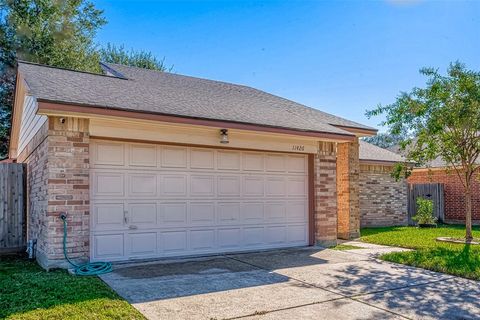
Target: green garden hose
x,y
87,269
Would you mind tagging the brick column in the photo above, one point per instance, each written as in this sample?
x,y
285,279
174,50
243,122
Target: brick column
x,y
68,190
348,171
325,195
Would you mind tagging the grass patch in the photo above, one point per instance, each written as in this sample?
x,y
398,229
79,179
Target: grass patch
x,y
342,247
29,292
451,258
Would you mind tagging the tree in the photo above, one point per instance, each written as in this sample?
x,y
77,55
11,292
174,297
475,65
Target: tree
x,y
58,33
134,58
441,120
384,140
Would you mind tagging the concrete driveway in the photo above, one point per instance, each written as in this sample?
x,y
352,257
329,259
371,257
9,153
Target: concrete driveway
x,y
305,283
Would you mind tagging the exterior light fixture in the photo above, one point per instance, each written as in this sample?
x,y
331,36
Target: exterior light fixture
x,y
224,136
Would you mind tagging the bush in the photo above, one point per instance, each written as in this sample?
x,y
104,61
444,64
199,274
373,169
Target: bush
x,y
424,212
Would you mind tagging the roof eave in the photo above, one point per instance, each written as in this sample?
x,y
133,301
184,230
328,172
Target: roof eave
x,y
50,107
21,89
359,132
379,162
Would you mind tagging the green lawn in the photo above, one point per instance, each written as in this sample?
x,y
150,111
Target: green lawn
x,y
29,292
456,259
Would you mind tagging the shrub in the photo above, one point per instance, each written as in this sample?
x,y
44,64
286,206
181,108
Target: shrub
x,y
424,212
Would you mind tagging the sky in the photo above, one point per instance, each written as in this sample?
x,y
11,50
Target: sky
x,y
342,57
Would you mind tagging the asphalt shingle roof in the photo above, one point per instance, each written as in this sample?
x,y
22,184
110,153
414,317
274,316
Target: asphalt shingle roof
x,y
371,152
136,89
435,163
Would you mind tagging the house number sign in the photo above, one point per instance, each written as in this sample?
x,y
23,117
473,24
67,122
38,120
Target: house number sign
x,y
297,147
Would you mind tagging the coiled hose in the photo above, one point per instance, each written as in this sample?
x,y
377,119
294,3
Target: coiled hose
x,y
87,269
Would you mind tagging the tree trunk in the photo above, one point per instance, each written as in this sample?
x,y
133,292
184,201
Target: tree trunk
x,y
468,213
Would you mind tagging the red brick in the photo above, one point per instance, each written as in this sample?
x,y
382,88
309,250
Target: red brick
x,y
454,193
348,172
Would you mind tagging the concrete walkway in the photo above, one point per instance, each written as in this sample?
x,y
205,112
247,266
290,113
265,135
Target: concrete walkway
x,y
370,249
304,283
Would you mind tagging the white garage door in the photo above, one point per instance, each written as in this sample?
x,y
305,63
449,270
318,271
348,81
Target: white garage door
x,y
159,200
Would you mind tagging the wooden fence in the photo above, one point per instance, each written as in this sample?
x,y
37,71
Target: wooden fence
x,y
12,207
431,191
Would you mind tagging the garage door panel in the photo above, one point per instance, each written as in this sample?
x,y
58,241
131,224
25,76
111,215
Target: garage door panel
x,y
253,212
142,185
229,238
142,244
297,211
108,184
173,157
202,213
276,163
173,214
142,155
108,216
202,185
203,239
228,213
202,158
108,246
296,164
253,161
174,185
276,235
142,214
275,186
183,201
253,186
253,236
228,160
297,234
297,186
228,186
172,242
275,212
108,154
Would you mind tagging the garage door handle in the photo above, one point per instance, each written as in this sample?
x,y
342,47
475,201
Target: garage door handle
x,y
125,219
132,227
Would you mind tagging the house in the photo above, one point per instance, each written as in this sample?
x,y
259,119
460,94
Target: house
x,y
438,171
148,164
383,200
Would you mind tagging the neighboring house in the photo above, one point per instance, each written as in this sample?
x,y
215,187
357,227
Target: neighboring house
x,y
383,200
140,162
438,172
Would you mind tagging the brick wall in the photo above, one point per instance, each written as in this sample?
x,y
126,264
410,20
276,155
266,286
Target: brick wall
x,y
68,188
383,200
35,156
325,194
453,191
58,181
348,170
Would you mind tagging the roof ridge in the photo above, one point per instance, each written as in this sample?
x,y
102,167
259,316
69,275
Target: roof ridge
x,y
67,69
183,75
